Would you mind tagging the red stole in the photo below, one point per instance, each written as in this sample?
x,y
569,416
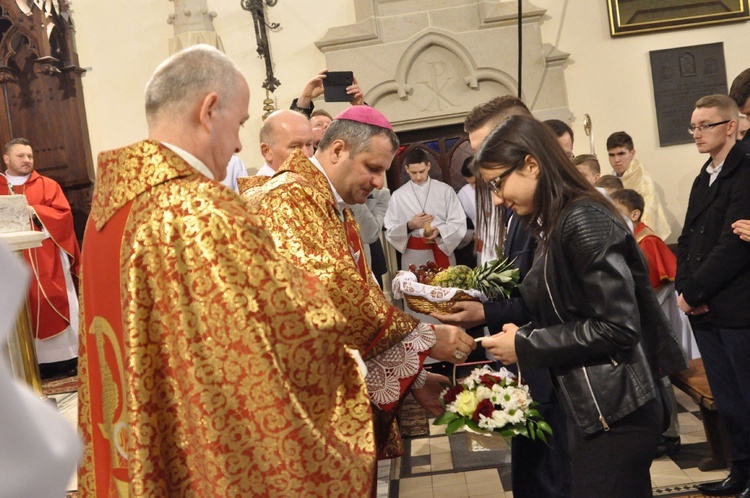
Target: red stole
x,y
355,243
103,306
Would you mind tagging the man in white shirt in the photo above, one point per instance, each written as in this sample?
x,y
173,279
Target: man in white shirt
x,y
235,169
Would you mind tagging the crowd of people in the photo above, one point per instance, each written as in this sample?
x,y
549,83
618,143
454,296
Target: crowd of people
x,y
236,340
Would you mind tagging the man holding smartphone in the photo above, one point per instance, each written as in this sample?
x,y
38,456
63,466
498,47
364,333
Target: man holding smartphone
x,y
315,88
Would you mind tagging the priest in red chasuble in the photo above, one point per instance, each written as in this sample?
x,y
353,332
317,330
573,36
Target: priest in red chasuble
x,y
303,206
210,365
53,297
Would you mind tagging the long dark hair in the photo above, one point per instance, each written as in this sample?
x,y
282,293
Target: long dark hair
x,y
559,181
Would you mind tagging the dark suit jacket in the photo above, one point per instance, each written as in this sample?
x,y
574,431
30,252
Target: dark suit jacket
x,y
713,264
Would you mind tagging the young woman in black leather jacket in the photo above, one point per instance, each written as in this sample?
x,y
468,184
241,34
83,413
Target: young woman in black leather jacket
x,y
588,294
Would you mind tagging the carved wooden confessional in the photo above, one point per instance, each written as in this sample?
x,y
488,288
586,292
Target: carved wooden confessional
x,y
42,96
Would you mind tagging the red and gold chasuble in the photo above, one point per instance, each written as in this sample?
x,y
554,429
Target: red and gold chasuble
x,y
50,298
298,209
209,365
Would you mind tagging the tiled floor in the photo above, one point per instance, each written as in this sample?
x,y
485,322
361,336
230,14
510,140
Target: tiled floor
x,y
474,466
467,465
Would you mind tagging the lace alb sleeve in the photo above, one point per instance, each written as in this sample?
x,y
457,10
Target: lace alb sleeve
x,y
386,371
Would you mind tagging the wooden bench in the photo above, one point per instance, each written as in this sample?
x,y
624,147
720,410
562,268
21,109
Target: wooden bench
x,y
694,383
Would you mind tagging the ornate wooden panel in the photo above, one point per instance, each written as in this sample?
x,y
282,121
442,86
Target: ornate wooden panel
x,y
43,97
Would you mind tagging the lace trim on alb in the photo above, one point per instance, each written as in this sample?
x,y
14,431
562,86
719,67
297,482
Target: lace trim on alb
x,y
385,371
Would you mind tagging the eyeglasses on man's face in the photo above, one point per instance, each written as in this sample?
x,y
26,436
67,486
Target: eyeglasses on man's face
x,y
702,128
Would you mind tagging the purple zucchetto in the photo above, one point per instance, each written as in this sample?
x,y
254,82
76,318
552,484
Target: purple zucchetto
x,y
365,114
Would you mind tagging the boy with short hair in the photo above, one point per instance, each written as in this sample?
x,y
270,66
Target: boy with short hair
x,y
609,183
634,176
589,167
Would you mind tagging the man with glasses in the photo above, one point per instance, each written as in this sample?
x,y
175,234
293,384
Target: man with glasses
x,y
713,277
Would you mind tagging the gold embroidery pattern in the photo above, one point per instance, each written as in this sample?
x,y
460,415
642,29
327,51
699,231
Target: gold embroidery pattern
x,y
297,208
237,383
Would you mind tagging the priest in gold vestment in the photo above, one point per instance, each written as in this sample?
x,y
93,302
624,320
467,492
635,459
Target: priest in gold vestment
x,y
303,206
209,364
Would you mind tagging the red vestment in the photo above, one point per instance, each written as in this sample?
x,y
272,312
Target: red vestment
x,y
208,365
49,299
662,263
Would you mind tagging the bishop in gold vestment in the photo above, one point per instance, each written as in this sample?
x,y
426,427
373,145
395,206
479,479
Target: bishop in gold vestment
x,y
303,206
209,366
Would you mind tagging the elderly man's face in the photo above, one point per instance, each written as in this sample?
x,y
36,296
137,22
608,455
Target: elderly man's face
x,y
230,115
290,133
319,124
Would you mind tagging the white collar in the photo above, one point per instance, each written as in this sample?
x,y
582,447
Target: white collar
x,y
424,185
713,170
266,170
340,204
193,161
17,181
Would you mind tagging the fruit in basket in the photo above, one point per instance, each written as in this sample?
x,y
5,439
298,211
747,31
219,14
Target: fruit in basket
x,y
455,276
425,273
493,278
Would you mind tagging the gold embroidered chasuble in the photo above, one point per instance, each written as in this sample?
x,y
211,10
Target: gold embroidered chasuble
x,y
637,178
209,364
298,209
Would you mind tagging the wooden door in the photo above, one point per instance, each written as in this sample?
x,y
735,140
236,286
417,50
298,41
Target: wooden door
x,y
447,148
42,96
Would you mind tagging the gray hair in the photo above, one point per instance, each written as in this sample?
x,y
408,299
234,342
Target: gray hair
x,y
357,136
188,76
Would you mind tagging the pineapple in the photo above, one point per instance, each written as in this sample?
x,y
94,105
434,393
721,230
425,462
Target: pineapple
x,y
453,276
493,279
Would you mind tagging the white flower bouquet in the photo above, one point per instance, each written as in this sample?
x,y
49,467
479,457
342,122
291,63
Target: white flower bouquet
x,y
494,403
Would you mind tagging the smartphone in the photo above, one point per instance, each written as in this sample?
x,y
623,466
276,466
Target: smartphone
x,y
335,84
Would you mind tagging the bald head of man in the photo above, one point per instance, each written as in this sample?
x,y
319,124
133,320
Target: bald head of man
x,y
283,132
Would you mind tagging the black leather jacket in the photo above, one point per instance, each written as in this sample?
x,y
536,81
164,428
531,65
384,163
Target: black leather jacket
x,y
590,297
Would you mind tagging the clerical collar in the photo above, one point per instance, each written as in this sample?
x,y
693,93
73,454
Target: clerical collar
x,y
17,181
193,161
340,204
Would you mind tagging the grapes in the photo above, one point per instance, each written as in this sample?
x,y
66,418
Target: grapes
x,y
425,273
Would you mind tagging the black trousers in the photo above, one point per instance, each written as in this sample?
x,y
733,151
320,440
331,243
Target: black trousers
x,y
615,463
726,357
538,470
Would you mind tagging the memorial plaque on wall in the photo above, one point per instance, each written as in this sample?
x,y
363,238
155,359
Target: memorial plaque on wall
x,y
681,76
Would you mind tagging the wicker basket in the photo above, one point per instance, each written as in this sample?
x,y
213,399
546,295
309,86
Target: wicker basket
x,y
423,305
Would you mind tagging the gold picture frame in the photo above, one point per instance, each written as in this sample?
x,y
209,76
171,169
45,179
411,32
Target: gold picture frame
x,y
631,17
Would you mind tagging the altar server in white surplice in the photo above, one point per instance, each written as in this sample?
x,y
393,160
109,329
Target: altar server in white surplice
x,y
425,220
